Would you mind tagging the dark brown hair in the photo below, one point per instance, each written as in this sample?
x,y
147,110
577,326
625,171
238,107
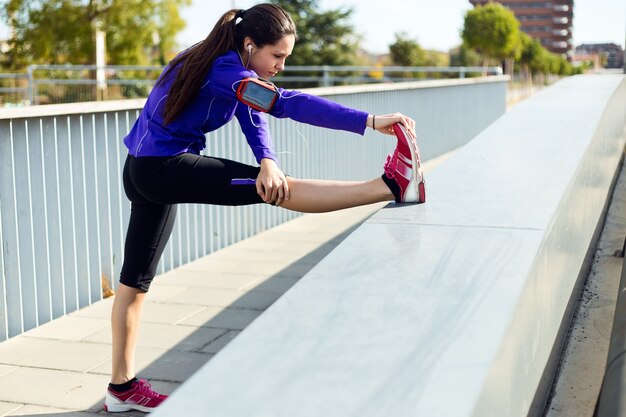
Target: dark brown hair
x,y
265,24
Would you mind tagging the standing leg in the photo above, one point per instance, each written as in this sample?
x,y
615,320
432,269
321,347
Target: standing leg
x,y
149,229
125,319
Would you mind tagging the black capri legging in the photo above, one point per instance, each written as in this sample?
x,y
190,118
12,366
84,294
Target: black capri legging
x,y
154,185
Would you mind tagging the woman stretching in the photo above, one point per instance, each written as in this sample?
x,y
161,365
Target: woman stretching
x,y
202,89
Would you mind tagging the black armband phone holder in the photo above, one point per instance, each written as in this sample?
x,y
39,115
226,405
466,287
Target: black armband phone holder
x,y
258,93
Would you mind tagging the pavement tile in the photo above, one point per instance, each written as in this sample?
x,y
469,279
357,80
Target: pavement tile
x,y
100,309
220,343
255,268
6,408
175,366
254,255
255,300
36,410
53,388
159,292
162,364
304,234
166,336
168,313
285,246
5,369
223,318
69,328
185,278
52,354
276,284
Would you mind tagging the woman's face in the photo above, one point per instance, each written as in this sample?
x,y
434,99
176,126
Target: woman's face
x,y
270,59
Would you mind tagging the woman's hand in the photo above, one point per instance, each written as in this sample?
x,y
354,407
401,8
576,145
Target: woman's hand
x,y
271,183
383,122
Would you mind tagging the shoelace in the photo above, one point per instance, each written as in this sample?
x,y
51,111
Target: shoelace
x,y
391,164
146,389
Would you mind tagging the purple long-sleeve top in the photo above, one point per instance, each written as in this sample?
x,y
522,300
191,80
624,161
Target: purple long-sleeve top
x,y
217,103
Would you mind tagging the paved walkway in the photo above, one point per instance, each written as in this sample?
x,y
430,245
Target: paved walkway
x,y
62,368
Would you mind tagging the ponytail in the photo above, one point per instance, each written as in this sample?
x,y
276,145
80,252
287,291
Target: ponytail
x,y
264,24
196,63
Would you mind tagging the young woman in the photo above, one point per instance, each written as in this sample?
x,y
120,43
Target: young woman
x,y
196,94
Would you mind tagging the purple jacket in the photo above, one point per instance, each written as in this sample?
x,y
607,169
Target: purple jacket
x,y
216,104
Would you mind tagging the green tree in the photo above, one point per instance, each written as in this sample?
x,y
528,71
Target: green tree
x,y
62,31
464,56
493,31
537,59
324,37
406,52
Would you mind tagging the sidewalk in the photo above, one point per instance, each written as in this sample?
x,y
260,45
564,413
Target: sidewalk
x,y
62,368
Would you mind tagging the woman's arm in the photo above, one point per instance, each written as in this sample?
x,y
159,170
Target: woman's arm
x,y
383,123
322,112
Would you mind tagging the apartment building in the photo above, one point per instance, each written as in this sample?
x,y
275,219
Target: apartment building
x,y
548,21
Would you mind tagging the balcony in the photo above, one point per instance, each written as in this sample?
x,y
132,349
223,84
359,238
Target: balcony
x,y
560,32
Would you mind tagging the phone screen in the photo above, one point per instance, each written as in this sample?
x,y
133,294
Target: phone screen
x,y
259,95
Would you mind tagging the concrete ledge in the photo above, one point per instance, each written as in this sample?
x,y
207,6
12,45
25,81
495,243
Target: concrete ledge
x,y
447,309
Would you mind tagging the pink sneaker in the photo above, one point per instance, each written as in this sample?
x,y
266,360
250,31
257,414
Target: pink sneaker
x,y
404,167
140,397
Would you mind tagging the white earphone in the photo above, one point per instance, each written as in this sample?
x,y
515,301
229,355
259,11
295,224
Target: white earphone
x,y
250,49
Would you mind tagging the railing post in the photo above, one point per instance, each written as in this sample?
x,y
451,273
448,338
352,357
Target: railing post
x,y
462,72
326,81
31,82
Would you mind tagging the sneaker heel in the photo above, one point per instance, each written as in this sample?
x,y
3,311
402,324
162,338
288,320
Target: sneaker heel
x,y
422,193
116,408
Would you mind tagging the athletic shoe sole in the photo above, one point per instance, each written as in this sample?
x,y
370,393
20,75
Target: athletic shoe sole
x,y
418,175
122,407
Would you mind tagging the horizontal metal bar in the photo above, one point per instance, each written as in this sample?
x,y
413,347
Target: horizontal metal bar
x,y
291,68
14,75
70,67
13,90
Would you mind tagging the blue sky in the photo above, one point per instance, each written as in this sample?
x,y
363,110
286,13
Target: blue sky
x,y
436,24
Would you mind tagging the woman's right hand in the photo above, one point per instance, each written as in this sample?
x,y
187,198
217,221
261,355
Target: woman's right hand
x,y
383,122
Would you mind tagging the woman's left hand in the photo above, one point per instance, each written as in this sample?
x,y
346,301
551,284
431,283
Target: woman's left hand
x,y
383,123
271,184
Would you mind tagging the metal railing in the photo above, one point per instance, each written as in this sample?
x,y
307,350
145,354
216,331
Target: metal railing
x,y
14,89
63,213
53,84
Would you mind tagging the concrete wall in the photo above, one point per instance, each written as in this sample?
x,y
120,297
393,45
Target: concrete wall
x,y
447,309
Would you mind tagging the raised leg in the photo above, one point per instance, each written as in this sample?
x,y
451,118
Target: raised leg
x,y
318,196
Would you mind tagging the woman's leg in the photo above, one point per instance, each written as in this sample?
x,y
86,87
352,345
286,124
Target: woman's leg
x,y
206,180
317,196
149,229
125,319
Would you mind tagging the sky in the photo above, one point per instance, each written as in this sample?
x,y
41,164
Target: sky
x,y
435,24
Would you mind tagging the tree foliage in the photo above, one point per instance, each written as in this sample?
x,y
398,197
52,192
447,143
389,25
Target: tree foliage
x,y
464,56
324,37
63,31
406,52
493,31
537,59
